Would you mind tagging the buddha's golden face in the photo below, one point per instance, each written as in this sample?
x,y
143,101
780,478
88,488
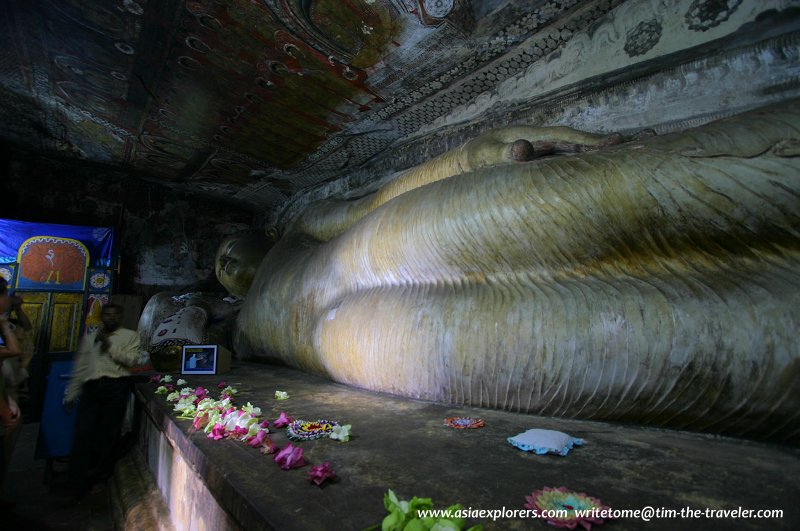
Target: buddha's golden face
x,y
238,258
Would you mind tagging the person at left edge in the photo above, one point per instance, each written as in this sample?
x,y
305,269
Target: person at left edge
x,y
10,415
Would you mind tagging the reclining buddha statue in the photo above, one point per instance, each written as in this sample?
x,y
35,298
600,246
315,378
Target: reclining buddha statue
x,y
192,317
548,271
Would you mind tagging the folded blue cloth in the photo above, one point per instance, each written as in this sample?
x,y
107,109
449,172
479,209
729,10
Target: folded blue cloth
x,y
545,442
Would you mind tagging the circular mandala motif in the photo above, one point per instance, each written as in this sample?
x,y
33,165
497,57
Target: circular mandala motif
x,y
705,14
438,8
463,423
575,506
306,430
642,38
99,280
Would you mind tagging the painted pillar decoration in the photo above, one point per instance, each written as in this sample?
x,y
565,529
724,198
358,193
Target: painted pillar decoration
x,y
100,285
653,281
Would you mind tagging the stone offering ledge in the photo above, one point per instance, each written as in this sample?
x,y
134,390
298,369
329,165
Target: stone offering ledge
x,y
403,445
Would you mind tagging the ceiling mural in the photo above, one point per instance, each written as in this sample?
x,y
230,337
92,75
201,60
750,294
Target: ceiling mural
x,y
252,99
257,100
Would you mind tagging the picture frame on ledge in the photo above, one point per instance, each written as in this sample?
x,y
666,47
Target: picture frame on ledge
x,y
199,359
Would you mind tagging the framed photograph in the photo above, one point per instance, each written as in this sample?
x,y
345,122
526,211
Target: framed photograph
x,y
199,359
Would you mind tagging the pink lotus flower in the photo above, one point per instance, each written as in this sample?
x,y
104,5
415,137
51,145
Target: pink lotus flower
x,y
290,456
156,378
319,473
264,424
200,421
217,432
222,384
282,420
239,432
258,439
201,392
269,447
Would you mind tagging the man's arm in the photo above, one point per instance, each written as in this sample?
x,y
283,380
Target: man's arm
x,y
125,347
79,372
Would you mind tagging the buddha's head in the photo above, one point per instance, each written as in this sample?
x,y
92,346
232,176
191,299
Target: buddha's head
x,y
238,258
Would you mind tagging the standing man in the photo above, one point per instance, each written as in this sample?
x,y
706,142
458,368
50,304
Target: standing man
x,y
101,381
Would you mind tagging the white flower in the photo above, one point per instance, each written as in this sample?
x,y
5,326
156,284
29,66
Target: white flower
x,y
162,390
341,433
186,407
281,395
230,420
167,378
252,410
239,419
206,403
214,418
173,396
224,404
253,429
181,381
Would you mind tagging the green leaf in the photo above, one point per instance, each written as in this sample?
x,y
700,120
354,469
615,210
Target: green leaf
x,y
394,521
420,504
416,524
390,500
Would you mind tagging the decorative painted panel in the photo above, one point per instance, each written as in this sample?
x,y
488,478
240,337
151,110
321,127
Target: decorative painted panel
x,y
52,263
14,234
35,307
94,307
66,312
100,280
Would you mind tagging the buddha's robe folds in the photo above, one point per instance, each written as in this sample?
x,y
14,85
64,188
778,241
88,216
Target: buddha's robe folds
x,y
654,282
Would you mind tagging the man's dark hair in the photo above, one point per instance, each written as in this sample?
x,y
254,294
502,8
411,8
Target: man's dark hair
x,y
113,306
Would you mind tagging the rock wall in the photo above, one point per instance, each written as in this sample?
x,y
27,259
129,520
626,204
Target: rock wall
x,y
165,240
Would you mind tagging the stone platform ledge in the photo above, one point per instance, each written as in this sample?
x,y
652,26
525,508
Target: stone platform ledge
x,y
401,444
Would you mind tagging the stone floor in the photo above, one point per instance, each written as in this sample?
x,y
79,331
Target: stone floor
x,y
402,444
38,499
128,501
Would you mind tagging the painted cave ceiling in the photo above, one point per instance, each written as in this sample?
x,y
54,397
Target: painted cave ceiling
x,y
256,100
